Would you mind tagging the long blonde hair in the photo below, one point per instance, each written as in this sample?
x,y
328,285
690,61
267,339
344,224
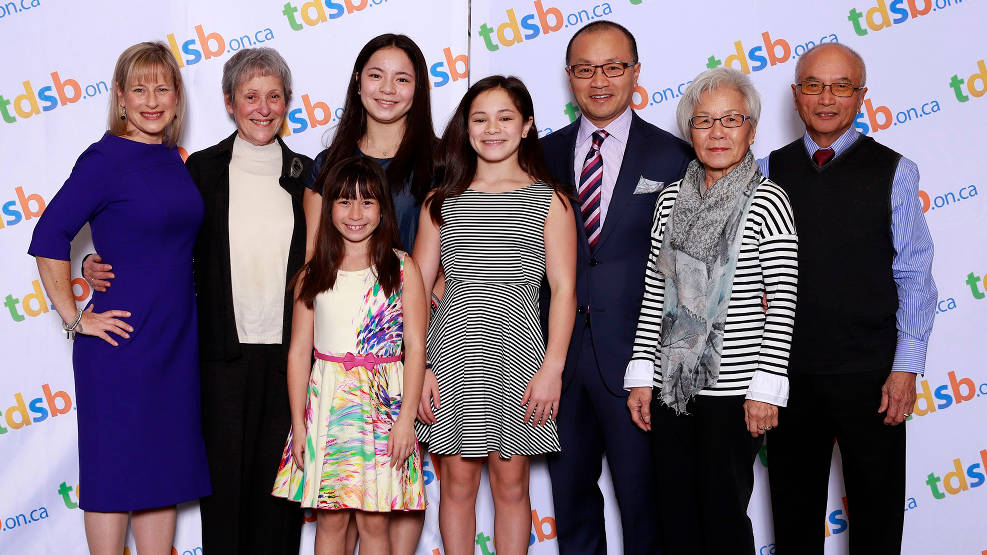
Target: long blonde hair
x,y
143,59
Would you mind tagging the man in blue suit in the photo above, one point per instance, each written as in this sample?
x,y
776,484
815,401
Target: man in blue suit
x,y
615,163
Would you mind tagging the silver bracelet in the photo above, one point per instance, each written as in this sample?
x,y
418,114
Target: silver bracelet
x,y
70,328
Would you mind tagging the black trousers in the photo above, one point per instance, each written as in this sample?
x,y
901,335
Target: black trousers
x,y
245,421
593,422
840,407
704,468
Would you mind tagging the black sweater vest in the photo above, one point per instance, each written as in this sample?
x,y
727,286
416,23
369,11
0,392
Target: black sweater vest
x,y
847,298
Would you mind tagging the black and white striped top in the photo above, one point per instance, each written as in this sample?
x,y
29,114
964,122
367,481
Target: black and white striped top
x,y
756,341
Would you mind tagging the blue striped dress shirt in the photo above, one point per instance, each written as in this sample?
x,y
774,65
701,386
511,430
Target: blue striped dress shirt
x,y
912,264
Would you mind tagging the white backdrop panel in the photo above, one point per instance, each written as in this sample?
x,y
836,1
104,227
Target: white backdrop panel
x,y
927,84
910,106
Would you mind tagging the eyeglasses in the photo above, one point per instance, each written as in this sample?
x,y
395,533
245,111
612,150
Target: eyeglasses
x,y
817,87
729,120
610,69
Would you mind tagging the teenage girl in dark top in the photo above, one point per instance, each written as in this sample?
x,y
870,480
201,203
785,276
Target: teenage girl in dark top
x,y
387,116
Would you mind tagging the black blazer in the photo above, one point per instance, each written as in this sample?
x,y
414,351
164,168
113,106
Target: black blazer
x,y
210,169
610,277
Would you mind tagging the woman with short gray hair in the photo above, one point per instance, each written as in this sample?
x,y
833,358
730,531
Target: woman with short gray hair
x,y
715,327
255,61
251,242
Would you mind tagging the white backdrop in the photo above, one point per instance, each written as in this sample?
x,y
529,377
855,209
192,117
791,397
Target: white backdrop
x,y
927,81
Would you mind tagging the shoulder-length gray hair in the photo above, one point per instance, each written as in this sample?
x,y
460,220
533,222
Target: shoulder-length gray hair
x,y
251,62
711,80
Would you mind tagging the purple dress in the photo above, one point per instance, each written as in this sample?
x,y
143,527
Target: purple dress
x,y
140,437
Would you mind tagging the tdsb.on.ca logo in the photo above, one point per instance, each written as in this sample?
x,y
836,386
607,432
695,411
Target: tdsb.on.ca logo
x,y
975,85
515,30
17,6
769,51
978,286
35,303
875,118
948,198
961,477
26,412
34,99
956,391
207,45
886,13
315,13
25,206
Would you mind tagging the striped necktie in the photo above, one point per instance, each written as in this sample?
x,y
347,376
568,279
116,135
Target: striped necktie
x,y
589,191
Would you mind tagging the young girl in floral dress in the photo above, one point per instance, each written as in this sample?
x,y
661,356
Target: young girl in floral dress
x,y
361,309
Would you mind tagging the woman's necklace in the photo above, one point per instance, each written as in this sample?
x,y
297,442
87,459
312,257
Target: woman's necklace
x,y
375,151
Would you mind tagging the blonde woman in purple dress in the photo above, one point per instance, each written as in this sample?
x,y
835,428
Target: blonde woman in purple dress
x,y
135,355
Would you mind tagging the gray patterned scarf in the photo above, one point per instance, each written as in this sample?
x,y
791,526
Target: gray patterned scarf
x,y
698,260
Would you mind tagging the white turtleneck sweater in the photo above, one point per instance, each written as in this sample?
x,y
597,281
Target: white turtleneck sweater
x,y
261,222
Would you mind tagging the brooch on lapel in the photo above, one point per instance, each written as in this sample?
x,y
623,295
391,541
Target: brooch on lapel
x,y
296,167
646,186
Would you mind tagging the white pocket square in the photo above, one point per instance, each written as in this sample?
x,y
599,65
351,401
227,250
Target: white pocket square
x,y
645,186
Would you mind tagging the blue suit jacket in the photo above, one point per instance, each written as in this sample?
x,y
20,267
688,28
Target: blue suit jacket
x,y
610,277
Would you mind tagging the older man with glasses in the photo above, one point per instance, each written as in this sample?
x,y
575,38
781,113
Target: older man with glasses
x,y
865,310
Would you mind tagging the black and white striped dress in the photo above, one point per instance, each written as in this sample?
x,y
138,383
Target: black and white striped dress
x,y
485,341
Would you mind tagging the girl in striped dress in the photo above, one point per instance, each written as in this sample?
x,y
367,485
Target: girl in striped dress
x,y
360,308
497,227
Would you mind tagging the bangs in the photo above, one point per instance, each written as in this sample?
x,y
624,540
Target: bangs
x,y
149,69
356,176
363,178
258,70
366,188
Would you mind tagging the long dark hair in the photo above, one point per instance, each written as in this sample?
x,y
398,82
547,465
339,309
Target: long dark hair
x,y
456,159
344,179
414,155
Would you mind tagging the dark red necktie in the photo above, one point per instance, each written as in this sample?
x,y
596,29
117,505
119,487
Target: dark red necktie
x,y
823,155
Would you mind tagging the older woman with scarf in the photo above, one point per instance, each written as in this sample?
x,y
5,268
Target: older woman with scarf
x,y
251,242
716,321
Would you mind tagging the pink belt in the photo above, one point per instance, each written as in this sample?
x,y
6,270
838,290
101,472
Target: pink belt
x,y
351,361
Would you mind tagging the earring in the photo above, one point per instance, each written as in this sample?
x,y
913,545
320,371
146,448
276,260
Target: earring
x,y
123,112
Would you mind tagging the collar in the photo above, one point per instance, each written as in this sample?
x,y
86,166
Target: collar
x,y
268,152
292,165
618,128
839,145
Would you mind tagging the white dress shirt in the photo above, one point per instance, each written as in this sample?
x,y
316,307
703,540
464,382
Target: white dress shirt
x,y
612,151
